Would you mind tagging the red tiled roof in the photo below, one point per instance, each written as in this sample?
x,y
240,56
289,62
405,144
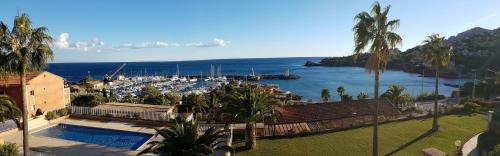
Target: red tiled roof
x,y
333,110
15,79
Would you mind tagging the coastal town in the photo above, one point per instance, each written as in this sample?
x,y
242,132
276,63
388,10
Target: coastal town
x,y
45,112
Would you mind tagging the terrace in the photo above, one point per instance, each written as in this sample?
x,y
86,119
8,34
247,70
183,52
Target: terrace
x,y
56,146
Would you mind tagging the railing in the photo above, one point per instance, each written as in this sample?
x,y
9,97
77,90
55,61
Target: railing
x,y
120,113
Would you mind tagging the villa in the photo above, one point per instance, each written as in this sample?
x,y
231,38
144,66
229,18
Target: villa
x,y
46,91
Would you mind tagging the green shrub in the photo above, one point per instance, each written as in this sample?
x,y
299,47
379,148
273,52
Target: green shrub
x,y
428,97
63,112
487,141
88,100
8,150
496,116
470,107
495,151
51,115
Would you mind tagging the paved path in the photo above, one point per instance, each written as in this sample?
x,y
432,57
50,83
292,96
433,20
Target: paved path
x,y
469,148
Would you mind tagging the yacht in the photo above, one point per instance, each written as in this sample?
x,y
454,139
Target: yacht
x,y
174,78
193,79
183,79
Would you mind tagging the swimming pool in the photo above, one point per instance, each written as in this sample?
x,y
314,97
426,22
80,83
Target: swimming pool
x,y
99,136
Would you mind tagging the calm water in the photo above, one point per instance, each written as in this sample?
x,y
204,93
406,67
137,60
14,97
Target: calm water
x,y
313,79
105,137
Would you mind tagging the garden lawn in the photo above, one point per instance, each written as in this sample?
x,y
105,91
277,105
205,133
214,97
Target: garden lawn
x,y
397,138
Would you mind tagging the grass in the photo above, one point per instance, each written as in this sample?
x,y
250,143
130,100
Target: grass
x,y
398,138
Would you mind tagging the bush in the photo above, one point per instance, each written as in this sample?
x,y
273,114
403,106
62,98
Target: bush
x,y
63,112
156,101
9,150
428,97
38,112
496,116
51,116
495,151
88,100
470,107
488,144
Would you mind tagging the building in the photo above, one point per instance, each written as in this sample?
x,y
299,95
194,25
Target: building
x,y
45,91
324,117
97,85
356,109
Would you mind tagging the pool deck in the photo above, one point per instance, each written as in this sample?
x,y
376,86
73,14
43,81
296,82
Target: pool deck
x,y
54,146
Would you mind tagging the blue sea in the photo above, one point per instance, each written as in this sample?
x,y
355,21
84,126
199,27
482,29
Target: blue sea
x,y
309,86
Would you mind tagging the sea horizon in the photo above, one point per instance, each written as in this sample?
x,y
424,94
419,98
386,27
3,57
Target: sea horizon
x,y
209,59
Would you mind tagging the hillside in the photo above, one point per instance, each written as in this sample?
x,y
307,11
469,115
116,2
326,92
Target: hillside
x,y
477,48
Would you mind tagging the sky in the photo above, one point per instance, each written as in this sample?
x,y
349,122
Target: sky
x,y
147,30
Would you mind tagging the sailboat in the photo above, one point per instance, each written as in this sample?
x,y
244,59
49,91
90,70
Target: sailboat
x,y
209,78
192,79
176,76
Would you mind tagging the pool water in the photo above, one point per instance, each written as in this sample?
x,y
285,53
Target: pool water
x,y
99,136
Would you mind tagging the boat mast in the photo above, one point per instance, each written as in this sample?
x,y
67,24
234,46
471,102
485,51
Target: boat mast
x,y
219,72
211,71
178,70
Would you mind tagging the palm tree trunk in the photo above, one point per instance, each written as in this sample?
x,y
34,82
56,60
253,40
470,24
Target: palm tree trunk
x,y
26,146
375,116
435,125
251,139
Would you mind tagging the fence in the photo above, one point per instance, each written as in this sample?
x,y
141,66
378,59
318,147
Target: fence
x,y
120,113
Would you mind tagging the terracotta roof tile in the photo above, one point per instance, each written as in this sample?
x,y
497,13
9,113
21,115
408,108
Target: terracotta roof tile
x,y
333,110
15,79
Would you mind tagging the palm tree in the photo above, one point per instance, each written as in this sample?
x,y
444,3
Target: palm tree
x,y
375,31
196,101
184,140
344,97
362,96
9,110
325,95
249,106
397,95
27,50
341,91
438,54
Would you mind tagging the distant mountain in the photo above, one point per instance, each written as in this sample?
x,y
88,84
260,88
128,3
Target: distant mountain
x,y
476,48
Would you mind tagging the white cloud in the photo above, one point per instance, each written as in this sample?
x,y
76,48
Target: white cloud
x,y
143,45
215,43
159,44
62,42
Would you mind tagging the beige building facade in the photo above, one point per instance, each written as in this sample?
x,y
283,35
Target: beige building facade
x,y
46,91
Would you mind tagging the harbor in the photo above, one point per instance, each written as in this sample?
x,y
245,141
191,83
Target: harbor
x,y
121,86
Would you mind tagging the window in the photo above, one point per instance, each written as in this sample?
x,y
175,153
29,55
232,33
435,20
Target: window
x,y
32,92
44,89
